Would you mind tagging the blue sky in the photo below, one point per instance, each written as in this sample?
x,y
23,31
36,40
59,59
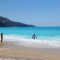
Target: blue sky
x,y
36,12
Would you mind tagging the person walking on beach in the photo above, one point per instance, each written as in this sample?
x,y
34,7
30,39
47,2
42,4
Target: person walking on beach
x,y
1,37
34,36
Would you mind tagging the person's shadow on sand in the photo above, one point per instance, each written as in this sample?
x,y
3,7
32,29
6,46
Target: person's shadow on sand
x,y
1,44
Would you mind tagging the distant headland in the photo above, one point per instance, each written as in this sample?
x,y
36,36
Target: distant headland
x,y
5,22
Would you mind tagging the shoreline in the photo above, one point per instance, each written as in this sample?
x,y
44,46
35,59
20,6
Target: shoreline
x,y
26,53
12,45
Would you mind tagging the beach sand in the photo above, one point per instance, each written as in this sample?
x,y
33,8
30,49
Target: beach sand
x,y
9,51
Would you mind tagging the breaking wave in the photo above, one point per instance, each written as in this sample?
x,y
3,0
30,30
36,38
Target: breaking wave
x,y
28,42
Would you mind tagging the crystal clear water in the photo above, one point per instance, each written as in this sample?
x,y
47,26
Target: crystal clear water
x,y
47,37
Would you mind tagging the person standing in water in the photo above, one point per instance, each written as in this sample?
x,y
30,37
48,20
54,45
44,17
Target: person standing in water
x,y
1,37
34,36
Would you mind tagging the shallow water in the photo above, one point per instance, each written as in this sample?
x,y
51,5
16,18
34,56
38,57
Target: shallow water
x,y
47,37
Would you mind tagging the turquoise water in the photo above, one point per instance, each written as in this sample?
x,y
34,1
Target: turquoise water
x,y
45,35
29,31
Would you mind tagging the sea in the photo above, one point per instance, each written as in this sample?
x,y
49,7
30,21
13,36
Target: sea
x,y
47,37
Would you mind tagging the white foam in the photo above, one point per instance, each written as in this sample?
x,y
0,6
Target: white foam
x,y
38,43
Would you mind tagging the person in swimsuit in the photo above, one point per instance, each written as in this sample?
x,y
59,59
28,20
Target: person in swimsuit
x,y
34,36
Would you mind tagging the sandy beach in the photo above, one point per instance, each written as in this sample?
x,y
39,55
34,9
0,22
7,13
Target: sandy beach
x,y
11,52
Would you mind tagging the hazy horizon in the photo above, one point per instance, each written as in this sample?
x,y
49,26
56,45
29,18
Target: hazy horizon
x,y
41,13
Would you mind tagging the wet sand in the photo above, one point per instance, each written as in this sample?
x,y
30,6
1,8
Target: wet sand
x,y
9,51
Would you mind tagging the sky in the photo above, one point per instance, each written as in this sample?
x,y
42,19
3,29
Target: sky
x,y
35,12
